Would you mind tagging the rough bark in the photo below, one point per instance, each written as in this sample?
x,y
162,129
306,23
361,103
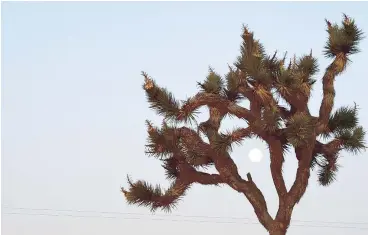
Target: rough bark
x,y
277,233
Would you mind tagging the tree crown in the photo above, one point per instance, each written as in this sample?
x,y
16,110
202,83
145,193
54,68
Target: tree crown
x,y
264,80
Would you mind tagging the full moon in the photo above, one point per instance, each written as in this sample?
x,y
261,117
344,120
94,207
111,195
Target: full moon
x,y
255,155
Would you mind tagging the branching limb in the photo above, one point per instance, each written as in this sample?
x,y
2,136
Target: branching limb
x,y
215,101
342,42
336,67
196,151
229,171
145,194
189,173
300,184
330,149
225,142
184,150
257,102
208,179
276,164
277,160
258,78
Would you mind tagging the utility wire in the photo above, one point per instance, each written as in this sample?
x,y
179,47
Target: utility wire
x,y
165,215
180,220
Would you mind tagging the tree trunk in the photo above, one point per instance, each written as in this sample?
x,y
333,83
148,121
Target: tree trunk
x,y
278,233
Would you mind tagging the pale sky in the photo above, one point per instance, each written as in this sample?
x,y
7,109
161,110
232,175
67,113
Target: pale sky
x,y
73,113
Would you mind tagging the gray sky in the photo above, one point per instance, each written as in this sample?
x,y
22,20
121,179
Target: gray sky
x,y
73,111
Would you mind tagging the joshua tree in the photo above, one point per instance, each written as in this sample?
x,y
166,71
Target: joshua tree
x,y
264,81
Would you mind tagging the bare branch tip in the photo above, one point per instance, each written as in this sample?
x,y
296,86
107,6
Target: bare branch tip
x,y
347,19
246,30
249,177
144,74
124,191
148,82
329,25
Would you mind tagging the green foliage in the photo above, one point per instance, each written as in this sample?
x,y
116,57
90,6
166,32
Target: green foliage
x,y
185,115
314,162
299,129
327,171
343,39
160,99
273,64
213,83
161,142
256,71
285,83
353,140
170,165
232,85
253,60
144,194
193,154
308,65
225,142
285,147
297,79
271,119
250,47
345,118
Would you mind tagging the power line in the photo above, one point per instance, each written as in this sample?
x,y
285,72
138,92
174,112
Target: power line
x,y
181,220
128,213
166,215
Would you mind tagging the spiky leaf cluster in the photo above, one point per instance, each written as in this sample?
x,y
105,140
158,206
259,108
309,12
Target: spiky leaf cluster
x,y
253,61
344,118
273,65
160,99
308,65
298,80
213,83
343,39
314,162
193,155
327,170
226,141
171,168
353,140
232,84
271,119
343,125
144,194
299,129
161,142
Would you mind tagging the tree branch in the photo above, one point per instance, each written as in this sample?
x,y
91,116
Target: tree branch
x,y
328,150
189,173
214,101
144,194
256,102
297,190
208,179
334,69
277,160
229,172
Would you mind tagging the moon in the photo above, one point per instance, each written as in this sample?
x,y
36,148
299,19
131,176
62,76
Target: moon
x,y
255,155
